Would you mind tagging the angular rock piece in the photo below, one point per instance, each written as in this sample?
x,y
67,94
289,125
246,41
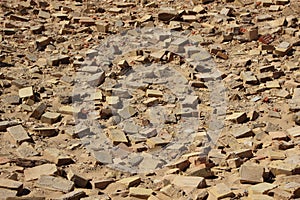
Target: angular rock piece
x,y
26,92
123,64
46,131
103,157
18,134
113,100
251,174
11,184
292,187
156,141
26,150
158,55
241,132
37,29
141,193
127,112
294,132
102,27
6,193
19,18
181,164
55,183
149,163
5,124
276,155
167,15
117,136
220,191
151,101
252,34
280,194
75,195
198,9
50,117
261,188
78,179
189,181
101,184
154,93
130,181
234,162
68,110
59,59
278,167
38,111
35,172
248,77
96,79
190,101
283,48
150,132
12,99
278,135
43,42
238,117
244,153
56,156
200,170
